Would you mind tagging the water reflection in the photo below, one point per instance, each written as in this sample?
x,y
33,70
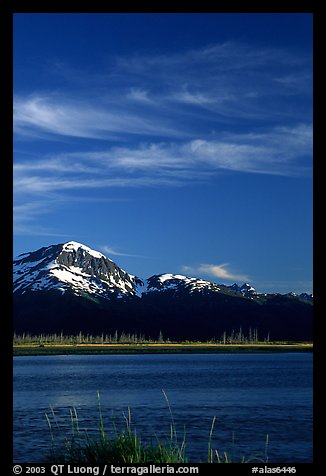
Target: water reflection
x,y
250,395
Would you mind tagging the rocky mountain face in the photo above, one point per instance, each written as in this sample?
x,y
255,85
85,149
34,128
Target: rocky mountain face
x,y
246,289
178,283
70,287
72,267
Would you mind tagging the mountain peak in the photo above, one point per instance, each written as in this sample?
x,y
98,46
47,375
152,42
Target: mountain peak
x,y
75,246
72,287
246,289
72,267
179,282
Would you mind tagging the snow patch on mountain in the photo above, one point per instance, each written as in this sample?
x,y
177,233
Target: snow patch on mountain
x,y
178,282
75,267
74,246
246,289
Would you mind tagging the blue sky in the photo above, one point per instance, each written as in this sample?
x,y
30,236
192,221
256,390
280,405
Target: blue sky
x,y
177,143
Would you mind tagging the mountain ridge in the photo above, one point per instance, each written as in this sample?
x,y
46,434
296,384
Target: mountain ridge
x,y
70,286
72,256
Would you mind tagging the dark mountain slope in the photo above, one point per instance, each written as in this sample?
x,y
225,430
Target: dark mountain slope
x,y
70,288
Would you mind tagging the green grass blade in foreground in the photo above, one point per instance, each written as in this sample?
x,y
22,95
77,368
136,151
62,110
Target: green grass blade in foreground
x,y
125,446
210,451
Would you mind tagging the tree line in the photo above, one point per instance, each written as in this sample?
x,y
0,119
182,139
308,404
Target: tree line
x,y
233,337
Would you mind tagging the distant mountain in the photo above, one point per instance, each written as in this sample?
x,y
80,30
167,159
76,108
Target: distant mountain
x,y
178,282
70,288
246,289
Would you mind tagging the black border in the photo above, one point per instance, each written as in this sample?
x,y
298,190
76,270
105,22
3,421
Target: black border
x,y
6,239
222,6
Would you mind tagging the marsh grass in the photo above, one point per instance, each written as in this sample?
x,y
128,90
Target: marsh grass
x,y
125,445
231,457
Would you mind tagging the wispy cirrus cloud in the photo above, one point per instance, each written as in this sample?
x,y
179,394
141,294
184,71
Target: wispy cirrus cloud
x,y
283,151
217,57
164,120
215,270
233,80
138,95
37,114
109,250
280,151
173,95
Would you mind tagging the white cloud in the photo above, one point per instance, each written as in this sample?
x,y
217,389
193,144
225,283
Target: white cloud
x,y
218,58
198,98
232,79
108,250
138,95
83,119
169,95
216,271
163,109
220,271
42,185
284,151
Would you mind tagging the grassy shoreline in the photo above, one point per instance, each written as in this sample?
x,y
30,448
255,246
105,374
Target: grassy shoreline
x,y
160,348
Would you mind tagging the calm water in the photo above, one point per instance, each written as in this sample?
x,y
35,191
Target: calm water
x,y
250,394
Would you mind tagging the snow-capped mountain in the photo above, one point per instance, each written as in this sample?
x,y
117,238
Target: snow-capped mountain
x,y
306,297
178,282
75,267
70,288
246,289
